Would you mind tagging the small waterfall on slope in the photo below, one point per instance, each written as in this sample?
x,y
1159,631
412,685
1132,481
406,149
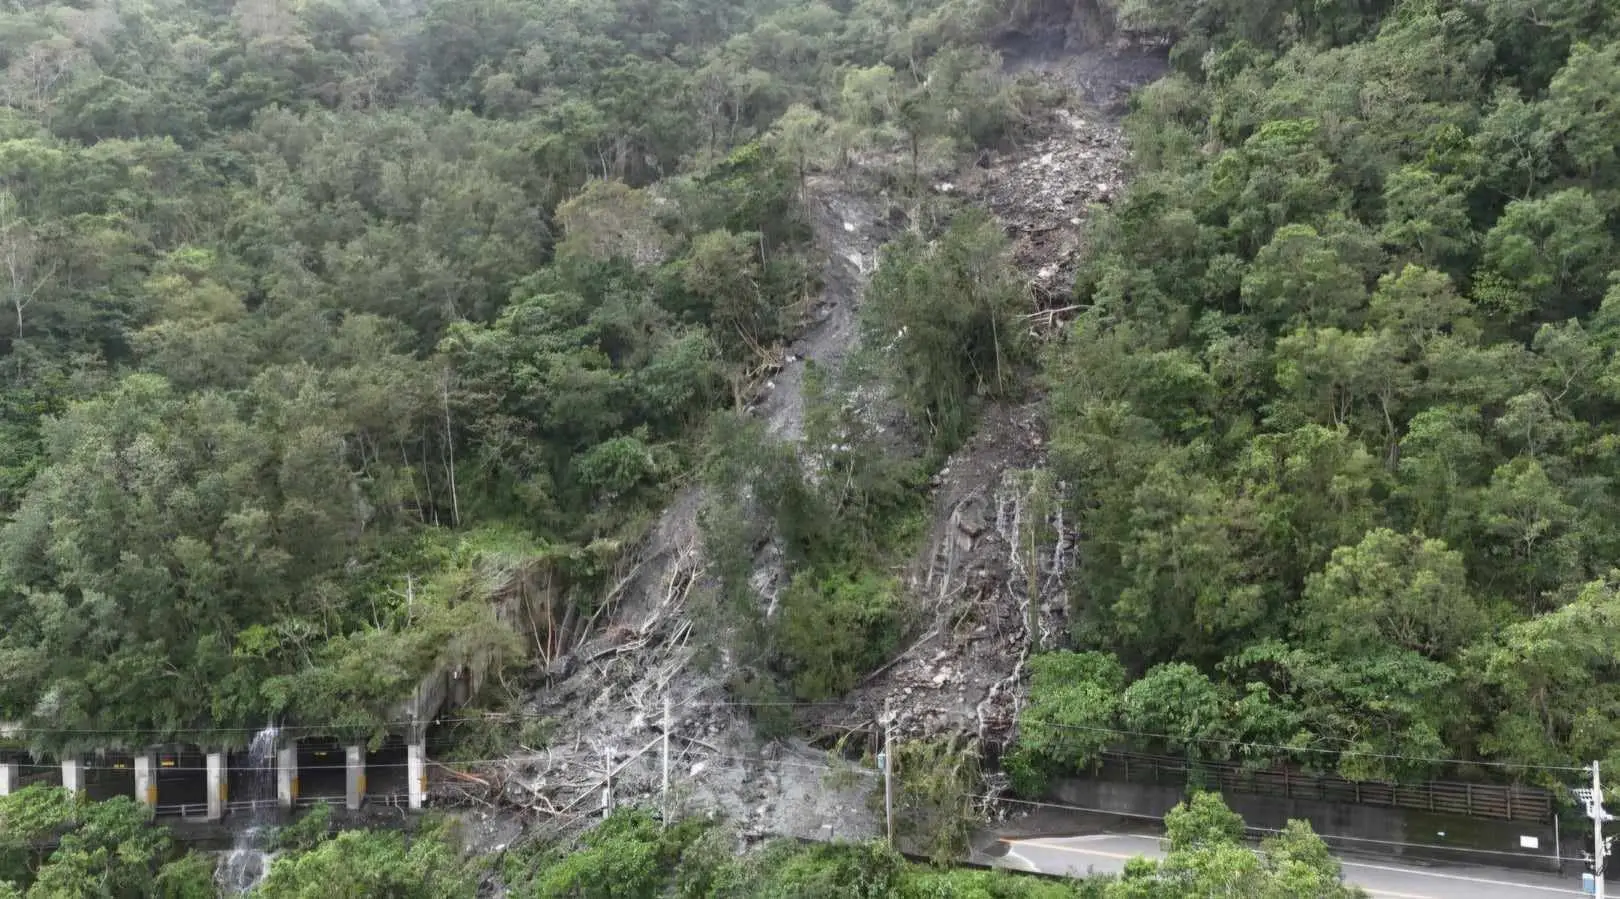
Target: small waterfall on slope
x,y
248,862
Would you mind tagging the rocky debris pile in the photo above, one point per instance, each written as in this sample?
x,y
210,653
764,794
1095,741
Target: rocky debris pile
x,y
963,672
1104,76
1044,193
989,588
608,707
851,219
607,695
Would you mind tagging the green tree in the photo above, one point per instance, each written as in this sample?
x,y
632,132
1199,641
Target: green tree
x,y
365,864
1180,708
113,851
1393,589
1207,858
947,315
1546,257
1427,216
1299,278
1070,718
1577,108
1202,821
835,627
803,135
1545,673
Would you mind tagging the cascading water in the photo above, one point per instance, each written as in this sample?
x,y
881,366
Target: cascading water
x,y
248,862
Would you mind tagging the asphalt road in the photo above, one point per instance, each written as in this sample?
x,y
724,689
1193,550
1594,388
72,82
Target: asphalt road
x,y
1107,854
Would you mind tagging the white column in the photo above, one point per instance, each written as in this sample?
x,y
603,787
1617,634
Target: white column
x,y
416,769
145,783
217,786
355,770
287,776
73,775
9,778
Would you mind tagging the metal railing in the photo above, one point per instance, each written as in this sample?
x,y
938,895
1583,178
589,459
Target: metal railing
x,y
198,811
1495,801
186,810
402,800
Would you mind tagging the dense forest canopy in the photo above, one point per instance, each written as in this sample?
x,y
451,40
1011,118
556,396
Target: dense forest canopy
x,y
1342,406
314,313
318,316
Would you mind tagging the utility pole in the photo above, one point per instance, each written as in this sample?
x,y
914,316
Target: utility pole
x,y
607,781
888,769
667,725
1595,809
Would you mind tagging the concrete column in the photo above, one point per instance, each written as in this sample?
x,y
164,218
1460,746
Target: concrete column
x,y
10,778
217,786
73,775
416,770
145,782
287,776
355,769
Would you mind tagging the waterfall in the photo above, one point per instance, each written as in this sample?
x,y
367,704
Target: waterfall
x,y
248,862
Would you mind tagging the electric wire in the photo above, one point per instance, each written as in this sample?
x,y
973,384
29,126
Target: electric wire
x,y
313,730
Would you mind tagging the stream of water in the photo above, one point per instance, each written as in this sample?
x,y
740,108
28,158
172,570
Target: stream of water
x,y
245,866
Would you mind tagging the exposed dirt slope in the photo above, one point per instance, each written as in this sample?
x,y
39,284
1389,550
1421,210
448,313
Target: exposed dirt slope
x,y
607,699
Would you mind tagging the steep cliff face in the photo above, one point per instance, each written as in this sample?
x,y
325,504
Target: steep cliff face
x,y
988,587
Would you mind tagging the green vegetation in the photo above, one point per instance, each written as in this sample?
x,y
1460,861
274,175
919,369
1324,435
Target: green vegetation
x,y
360,864
949,308
55,847
329,327
630,856
1341,411
1208,858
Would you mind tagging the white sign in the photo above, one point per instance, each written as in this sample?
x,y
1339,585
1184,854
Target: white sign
x,y
1529,842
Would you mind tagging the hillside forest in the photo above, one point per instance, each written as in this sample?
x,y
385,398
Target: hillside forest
x,y
329,328
1340,410
322,319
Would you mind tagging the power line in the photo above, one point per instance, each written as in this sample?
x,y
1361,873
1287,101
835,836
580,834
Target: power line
x,y
1270,830
1169,738
863,771
494,717
175,735
1173,738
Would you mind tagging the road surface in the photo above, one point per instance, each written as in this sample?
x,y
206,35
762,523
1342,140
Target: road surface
x,y
1107,853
